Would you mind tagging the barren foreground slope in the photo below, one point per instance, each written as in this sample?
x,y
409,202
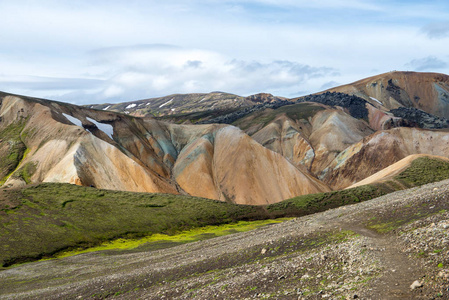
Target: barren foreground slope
x,y
372,250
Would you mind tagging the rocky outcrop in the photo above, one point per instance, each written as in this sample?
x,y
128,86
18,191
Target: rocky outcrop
x,y
420,118
356,106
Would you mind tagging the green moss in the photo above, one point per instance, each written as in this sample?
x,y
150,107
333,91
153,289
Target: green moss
x,y
307,204
26,171
424,170
154,240
64,216
386,227
12,149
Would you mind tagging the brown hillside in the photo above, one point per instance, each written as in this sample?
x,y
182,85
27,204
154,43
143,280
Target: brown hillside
x,y
426,91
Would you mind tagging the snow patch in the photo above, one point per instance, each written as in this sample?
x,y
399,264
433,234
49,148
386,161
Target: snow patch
x,y
148,103
173,109
202,100
107,107
166,103
131,106
73,120
372,98
106,128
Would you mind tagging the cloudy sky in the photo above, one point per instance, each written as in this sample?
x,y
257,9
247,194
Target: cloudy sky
x,y
102,51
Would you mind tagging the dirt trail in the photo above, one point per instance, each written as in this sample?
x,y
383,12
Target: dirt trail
x,y
400,270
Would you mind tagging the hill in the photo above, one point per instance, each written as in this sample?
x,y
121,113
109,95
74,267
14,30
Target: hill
x,y
43,220
377,248
425,91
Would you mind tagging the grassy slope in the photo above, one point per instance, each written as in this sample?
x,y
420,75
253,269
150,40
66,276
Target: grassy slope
x,y
422,171
41,220
47,218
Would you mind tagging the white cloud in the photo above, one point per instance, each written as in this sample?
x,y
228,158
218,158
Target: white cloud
x,y
144,70
236,46
430,63
437,30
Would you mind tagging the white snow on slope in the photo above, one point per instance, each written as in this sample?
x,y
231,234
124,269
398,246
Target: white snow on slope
x,y
74,120
106,128
376,100
166,103
107,107
131,106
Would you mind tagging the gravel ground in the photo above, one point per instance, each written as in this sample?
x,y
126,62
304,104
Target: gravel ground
x,y
372,250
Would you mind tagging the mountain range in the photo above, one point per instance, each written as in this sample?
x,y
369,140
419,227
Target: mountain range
x,y
255,150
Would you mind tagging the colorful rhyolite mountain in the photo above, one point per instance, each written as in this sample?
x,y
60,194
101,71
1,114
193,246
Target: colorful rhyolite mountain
x,y
269,153
426,91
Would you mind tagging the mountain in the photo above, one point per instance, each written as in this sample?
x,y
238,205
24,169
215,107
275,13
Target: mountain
x,y
425,91
265,150
188,106
341,143
45,141
69,177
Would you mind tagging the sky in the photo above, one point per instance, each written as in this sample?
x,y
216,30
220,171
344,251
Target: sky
x,y
86,52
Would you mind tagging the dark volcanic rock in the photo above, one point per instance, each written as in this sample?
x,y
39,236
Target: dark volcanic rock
x,y
421,118
231,117
355,105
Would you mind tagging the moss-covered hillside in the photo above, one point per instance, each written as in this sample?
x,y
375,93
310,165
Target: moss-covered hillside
x,y
41,220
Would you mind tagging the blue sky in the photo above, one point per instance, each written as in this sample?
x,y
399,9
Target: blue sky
x,y
113,51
